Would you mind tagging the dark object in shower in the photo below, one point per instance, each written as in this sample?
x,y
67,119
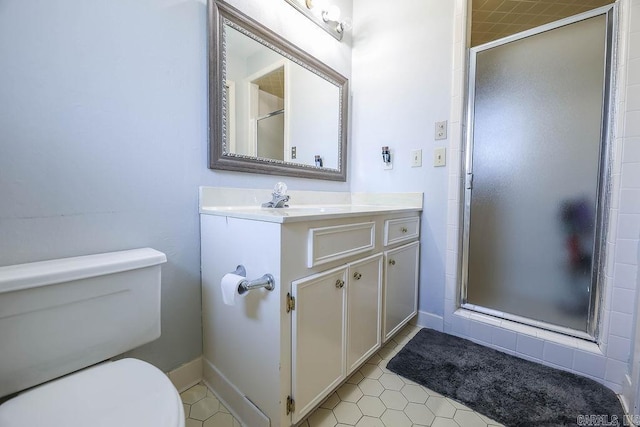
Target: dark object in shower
x,y
577,221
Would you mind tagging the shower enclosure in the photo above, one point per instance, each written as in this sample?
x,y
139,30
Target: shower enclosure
x,y
536,163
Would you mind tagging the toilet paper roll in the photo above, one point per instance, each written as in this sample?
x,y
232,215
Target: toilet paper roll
x,y
229,285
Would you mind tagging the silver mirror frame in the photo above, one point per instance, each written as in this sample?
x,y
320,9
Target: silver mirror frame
x,y
220,14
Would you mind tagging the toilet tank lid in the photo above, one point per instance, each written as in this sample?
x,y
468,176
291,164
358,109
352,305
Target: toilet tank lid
x,y
43,273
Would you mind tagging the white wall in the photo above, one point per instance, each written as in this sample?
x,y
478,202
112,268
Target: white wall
x,y
402,77
314,117
103,137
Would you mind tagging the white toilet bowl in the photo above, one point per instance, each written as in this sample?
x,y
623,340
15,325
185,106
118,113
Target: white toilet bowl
x,y
125,393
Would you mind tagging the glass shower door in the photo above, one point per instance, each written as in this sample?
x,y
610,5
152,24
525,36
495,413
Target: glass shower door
x,y
535,164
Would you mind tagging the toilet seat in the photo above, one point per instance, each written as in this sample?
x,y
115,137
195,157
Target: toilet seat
x,y
128,392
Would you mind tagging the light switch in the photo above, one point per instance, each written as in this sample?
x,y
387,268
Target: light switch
x,y
439,156
416,158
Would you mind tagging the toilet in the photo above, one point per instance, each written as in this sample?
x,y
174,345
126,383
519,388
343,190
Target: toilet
x,y
60,323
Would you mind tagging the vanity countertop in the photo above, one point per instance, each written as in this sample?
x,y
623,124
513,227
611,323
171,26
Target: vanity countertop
x,y
304,205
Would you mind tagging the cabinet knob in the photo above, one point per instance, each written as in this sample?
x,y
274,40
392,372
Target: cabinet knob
x,y
404,229
392,262
339,283
357,276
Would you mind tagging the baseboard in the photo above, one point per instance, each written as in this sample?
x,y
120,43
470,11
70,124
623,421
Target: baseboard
x,y
431,321
235,401
187,375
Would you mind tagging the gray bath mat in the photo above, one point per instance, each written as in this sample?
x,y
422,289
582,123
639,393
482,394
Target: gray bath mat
x,y
510,390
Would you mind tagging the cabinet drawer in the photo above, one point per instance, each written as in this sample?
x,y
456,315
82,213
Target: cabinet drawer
x,y
328,244
399,230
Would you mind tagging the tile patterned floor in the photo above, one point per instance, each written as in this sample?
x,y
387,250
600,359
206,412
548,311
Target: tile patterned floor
x,y
372,397
203,409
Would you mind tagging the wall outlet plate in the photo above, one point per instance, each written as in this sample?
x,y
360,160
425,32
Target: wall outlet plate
x,y
441,130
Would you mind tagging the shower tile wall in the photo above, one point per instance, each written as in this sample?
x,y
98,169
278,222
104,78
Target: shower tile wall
x,y
609,363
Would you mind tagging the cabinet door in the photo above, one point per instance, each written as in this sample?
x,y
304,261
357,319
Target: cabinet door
x,y
318,338
400,287
364,308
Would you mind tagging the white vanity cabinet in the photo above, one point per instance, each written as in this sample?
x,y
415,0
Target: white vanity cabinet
x,y
336,327
318,338
364,311
401,290
274,356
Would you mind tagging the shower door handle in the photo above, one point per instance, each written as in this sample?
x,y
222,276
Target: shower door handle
x,y
468,184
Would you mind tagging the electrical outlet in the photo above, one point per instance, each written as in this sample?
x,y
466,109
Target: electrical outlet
x,y
416,158
387,166
441,130
439,156
293,152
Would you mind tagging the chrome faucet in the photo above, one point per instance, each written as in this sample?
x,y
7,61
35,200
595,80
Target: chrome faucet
x,y
279,198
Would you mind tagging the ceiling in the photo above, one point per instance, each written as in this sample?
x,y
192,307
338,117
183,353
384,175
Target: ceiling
x,y
272,83
494,19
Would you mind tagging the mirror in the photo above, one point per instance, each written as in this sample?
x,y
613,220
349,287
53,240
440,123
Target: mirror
x,y
273,108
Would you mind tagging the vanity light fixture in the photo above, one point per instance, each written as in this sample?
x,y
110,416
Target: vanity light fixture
x,y
325,15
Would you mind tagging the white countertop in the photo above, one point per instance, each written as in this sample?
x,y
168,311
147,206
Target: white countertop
x,y
245,203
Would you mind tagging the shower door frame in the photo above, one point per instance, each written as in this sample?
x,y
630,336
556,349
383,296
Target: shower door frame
x,y
604,174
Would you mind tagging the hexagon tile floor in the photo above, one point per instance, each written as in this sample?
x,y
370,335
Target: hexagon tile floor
x,y
372,397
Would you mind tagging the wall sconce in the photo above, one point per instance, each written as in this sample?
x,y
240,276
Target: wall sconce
x,y
326,16
386,154
386,158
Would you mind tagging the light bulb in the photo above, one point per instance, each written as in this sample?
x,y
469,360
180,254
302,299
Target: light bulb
x,y
318,4
332,13
345,25
318,7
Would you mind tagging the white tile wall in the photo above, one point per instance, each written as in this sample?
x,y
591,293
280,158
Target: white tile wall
x,y
618,348
615,369
589,363
608,362
481,332
529,346
504,339
623,300
634,72
628,226
632,127
558,354
630,201
620,324
632,147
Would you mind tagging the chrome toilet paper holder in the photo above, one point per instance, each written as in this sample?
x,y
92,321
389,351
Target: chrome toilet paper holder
x,y
266,281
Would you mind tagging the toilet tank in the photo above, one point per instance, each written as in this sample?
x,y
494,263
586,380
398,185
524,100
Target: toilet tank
x,y
62,315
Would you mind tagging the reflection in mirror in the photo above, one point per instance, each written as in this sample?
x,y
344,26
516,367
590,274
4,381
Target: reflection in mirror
x,y
283,112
